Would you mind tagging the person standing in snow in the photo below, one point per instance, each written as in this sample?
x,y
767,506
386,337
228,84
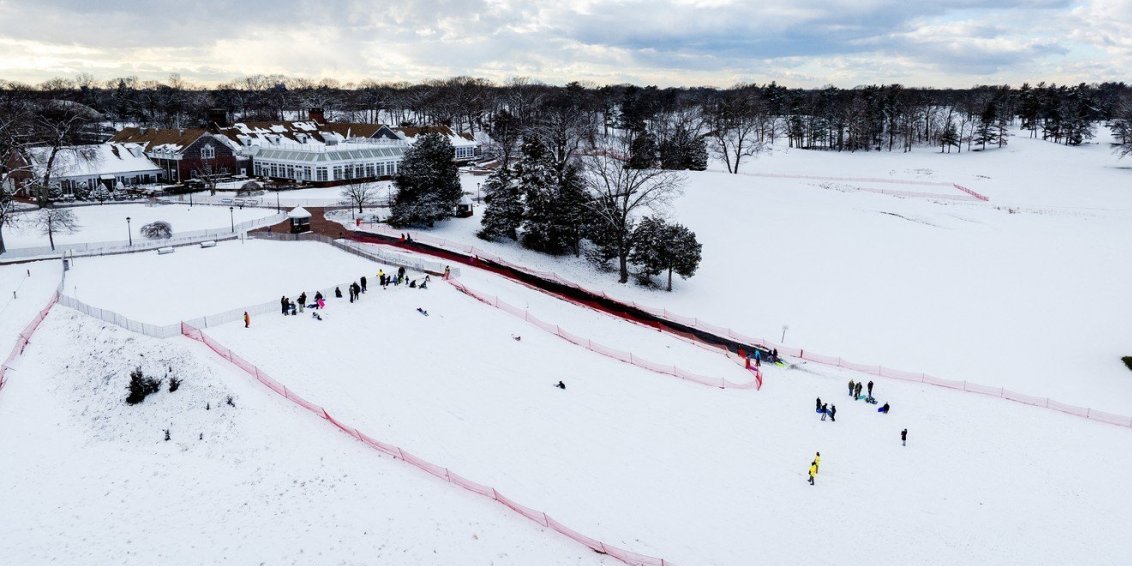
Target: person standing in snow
x,y
817,462
904,437
283,304
824,411
817,407
247,320
813,471
833,413
303,301
774,356
858,391
447,272
337,293
851,386
870,389
381,278
363,281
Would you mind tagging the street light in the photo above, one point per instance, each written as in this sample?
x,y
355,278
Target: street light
x,y
232,217
478,199
276,201
129,231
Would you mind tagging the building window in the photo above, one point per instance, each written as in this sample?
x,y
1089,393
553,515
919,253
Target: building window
x,y
321,172
208,152
370,171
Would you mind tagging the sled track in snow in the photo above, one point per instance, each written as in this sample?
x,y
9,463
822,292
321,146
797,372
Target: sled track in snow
x,y
544,520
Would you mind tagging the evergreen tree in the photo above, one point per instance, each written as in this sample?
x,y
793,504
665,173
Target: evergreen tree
x,y
428,184
659,246
504,212
571,209
642,151
537,182
684,150
949,137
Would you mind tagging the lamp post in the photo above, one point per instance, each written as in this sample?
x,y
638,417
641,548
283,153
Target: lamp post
x,y
276,201
232,217
785,327
478,199
129,231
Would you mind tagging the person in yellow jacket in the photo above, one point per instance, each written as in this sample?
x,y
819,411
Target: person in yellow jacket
x,y
813,471
817,462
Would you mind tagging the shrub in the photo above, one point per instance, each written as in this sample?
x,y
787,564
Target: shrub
x,y
141,386
160,230
1127,361
174,383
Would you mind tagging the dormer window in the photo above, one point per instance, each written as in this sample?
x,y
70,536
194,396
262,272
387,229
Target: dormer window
x,y
208,152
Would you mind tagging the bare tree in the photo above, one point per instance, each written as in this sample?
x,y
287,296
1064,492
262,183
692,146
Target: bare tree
x,y
360,194
620,194
51,221
209,172
740,126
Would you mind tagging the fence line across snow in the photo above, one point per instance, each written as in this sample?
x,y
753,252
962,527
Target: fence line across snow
x,y
438,471
24,339
766,345
619,355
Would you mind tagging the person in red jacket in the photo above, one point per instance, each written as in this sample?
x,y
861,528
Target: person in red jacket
x,y
247,320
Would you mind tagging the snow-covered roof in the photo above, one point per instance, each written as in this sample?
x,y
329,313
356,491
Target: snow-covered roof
x,y
95,160
299,212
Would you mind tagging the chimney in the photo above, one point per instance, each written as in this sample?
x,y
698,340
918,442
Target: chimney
x,y
217,118
317,116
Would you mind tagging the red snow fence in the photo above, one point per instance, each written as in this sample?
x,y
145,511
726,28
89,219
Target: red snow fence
x,y
967,386
983,198
397,452
619,355
24,339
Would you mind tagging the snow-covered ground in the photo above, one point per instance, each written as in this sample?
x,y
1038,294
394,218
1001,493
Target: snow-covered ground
x,y
107,223
165,289
24,291
1031,300
90,480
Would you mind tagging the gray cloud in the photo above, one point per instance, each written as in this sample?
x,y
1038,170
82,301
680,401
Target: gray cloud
x,y
812,42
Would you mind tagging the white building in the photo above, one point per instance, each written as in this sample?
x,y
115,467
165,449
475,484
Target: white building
x,y
326,164
85,166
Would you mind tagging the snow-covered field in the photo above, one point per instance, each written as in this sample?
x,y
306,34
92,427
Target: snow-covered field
x,y
693,474
165,289
24,291
90,480
107,223
1032,300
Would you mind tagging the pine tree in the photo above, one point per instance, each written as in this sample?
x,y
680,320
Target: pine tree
x,y
659,246
537,182
949,137
428,183
571,209
504,212
684,150
642,151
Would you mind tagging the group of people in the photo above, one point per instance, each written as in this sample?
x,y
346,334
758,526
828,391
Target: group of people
x,y
830,411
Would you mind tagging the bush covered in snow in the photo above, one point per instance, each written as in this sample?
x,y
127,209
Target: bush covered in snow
x,y
160,230
141,386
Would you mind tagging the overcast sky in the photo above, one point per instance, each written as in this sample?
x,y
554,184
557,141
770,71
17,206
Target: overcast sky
x,y
799,43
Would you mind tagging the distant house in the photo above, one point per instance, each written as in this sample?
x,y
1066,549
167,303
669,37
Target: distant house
x,y
79,167
185,153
